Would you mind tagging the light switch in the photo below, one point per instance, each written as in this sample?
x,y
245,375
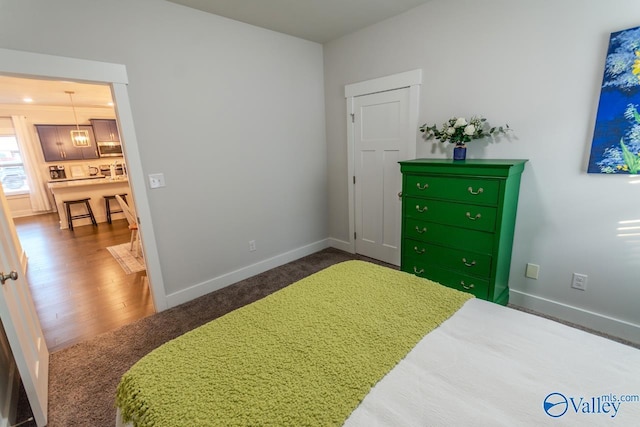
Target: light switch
x,y
156,180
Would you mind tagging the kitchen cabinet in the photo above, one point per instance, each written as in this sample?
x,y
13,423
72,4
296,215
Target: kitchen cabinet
x,y
105,130
458,221
57,145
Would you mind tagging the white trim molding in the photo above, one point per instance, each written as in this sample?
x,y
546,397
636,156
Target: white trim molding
x,y
340,245
598,322
382,84
21,63
230,278
411,79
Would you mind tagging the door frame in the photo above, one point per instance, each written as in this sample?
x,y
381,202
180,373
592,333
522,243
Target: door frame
x,y
408,79
41,66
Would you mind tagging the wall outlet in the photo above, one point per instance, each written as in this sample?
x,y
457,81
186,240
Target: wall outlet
x,y
532,271
579,281
156,180
252,245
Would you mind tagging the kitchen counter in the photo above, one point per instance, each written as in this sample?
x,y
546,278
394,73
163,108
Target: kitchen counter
x,y
93,187
93,180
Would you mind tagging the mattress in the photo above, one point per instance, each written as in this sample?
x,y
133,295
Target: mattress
x,y
491,365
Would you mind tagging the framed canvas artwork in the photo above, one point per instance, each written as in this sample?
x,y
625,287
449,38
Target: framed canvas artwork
x,y
616,138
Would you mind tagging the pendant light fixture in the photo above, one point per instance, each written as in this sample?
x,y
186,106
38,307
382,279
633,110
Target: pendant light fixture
x,y
79,138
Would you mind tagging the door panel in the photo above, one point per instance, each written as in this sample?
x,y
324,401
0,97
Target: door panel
x,y
370,199
391,214
381,139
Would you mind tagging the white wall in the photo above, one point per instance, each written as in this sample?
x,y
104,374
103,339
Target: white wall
x,y
233,115
537,66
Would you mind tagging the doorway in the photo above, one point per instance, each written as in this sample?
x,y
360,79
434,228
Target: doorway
x,y
79,289
382,130
49,67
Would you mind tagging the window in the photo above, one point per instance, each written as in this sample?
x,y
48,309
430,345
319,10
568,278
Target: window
x,y
12,175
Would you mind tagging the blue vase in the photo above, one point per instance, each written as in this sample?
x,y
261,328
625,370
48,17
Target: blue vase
x,y
459,152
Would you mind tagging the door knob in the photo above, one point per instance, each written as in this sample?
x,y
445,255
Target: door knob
x,y
4,277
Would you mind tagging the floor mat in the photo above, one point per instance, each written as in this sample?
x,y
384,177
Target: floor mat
x,y
127,260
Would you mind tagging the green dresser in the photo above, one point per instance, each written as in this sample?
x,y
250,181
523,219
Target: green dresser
x,y
458,220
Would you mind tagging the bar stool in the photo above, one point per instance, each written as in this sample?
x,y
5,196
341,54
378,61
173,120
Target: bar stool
x,y
89,214
107,205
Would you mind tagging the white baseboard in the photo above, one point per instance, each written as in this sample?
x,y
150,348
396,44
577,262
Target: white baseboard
x,y
220,282
21,213
598,322
342,245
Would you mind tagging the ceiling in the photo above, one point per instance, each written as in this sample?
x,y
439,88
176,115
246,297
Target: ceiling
x,y
14,90
317,20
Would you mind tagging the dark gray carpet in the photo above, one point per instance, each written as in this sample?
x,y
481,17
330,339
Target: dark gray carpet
x,y
83,378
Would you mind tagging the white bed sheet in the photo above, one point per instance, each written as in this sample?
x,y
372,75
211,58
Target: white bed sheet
x,y
490,365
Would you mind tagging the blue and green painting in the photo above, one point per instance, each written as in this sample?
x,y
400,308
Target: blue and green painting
x,y
616,139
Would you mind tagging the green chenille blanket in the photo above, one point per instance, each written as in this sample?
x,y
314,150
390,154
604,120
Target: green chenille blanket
x,y
303,356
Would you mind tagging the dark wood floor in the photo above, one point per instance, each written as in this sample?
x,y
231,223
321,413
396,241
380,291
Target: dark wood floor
x,y
78,288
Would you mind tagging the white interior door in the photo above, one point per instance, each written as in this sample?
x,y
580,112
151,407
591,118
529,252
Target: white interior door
x,y
381,129
20,321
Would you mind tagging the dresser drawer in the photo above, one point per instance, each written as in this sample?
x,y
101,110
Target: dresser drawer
x,y
457,214
473,190
461,260
476,286
444,235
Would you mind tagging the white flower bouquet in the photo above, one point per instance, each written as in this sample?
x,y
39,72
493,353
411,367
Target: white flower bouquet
x,y
459,131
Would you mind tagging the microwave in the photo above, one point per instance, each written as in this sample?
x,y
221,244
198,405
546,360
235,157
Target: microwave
x,y
109,149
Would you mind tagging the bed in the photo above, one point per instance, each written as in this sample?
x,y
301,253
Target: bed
x,y
359,344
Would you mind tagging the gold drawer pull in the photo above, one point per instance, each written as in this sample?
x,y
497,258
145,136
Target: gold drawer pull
x,y
415,270
475,193
421,230
421,210
478,216
419,251
424,187
464,260
467,287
